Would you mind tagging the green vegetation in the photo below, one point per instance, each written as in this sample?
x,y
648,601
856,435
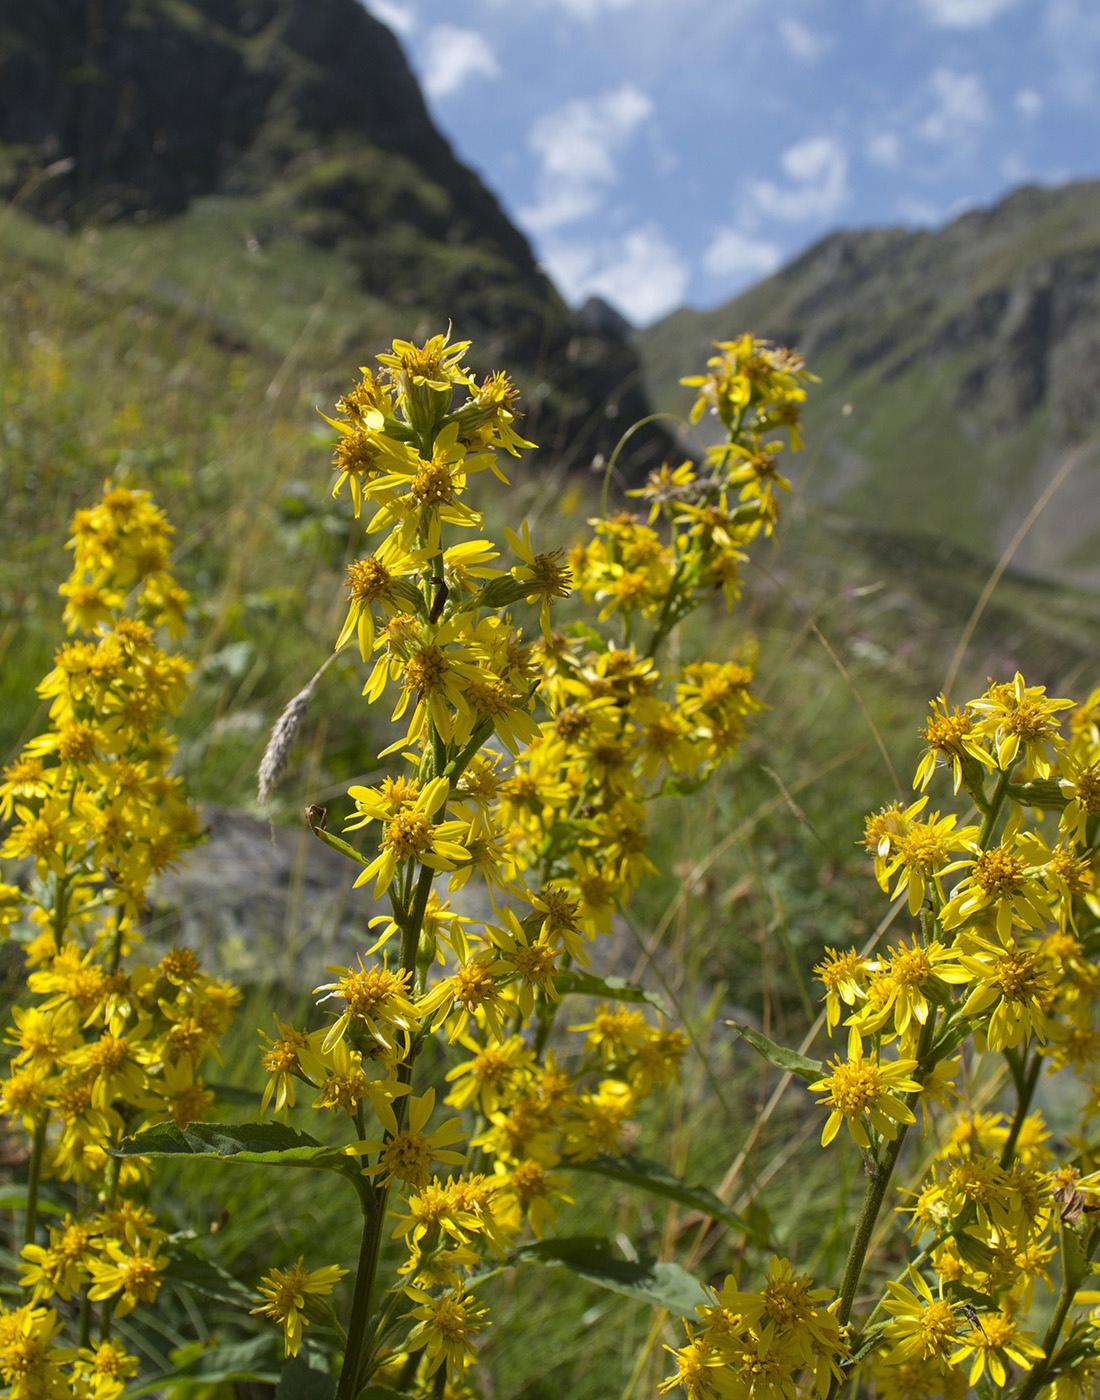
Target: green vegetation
x,y
203,390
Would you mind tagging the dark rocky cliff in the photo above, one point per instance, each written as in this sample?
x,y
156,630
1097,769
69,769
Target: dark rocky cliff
x,y
132,109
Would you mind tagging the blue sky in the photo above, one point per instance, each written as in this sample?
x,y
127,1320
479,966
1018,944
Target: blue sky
x,y
670,152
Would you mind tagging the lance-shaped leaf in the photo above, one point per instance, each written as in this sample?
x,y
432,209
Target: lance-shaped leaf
x,y
252,1144
16,1198
779,1055
612,988
645,1280
258,1360
301,1381
335,843
203,1276
654,1177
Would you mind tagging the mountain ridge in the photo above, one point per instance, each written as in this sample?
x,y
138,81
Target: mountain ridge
x,y
960,367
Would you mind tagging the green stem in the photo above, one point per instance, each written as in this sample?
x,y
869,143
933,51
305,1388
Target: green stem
x,y
993,811
876,1191
1072,1276
1025,1089
374,1215
116,945
374,1210
34,1176
865,1225
85,1320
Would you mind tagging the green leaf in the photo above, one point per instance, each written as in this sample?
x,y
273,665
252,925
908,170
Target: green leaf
x,y
613,988
300,1381
343,847
656,1178
15,1198
779,1055
255,1360
200,1275
681,787
254,1144
233,1093
589,1256
974,1252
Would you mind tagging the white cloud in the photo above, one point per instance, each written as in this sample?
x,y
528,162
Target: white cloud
x,y
733,254
817,170
918,211
589,9
579,139
884,148
965,14
802,41
451,56
640,273
576,146
1073,31
960,107
400,18
1028,103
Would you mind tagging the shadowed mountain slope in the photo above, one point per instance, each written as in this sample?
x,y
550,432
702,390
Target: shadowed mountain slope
x,y
305,113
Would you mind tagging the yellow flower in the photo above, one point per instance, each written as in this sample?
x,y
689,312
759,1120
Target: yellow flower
x,y
28,1359
924,1326
844,975
1014,986
134,1273
528,1189
381,578
1018,717
544,574
410,835
61,1267
493,1071
445,1327
288,1296
377,997
408,1154
696,1363
1000,881
860,1089
907,986
951,738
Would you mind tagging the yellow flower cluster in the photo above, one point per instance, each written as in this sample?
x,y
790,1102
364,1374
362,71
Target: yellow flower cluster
x,y
1002,958
102,1045
755,1346
532,756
